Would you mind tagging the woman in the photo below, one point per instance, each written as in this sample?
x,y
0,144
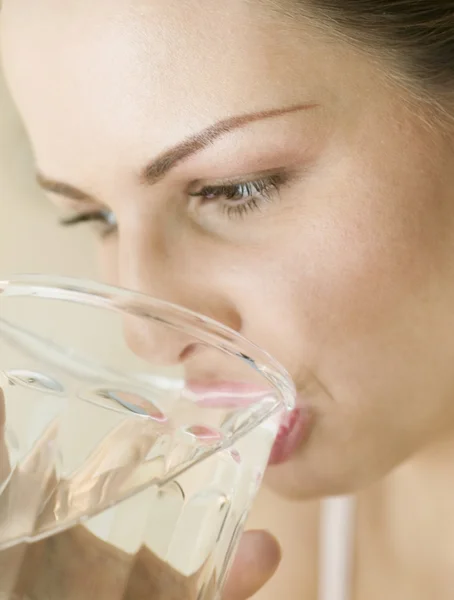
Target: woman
x,y
286,167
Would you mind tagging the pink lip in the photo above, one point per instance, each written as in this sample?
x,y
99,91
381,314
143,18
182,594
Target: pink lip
x,y
292,433
227,394
294,428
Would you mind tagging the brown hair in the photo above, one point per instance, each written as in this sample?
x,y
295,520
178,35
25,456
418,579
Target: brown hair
x,y
417,35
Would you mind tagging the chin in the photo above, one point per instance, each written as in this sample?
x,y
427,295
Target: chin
x,y
308,476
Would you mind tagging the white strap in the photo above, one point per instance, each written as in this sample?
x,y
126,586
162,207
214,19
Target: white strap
x,y
336,548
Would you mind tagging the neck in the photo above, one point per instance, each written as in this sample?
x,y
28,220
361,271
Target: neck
x,y
431,469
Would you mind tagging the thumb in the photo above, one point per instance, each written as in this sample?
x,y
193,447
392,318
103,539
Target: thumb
x,y
255,563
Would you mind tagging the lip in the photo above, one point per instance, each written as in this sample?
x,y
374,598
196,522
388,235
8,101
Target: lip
x,y
227,394
293,431
294,428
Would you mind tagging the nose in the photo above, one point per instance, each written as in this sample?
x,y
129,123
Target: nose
x,y
151,261
159,341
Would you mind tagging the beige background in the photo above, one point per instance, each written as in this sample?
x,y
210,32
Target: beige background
x,y
30,241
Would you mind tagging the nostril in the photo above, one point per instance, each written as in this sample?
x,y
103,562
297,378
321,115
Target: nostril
x,y
156,343
188,352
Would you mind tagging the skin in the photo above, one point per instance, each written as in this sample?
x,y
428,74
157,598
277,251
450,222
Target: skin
x,y
346,276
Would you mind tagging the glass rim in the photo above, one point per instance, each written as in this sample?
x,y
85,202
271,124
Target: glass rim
x,y
207,330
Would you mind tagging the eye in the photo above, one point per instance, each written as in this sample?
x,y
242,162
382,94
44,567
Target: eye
x,y
238,199
104,219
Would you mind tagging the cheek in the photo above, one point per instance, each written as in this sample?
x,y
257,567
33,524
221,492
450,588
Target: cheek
x,y
353,277
370,292
374,252
108,262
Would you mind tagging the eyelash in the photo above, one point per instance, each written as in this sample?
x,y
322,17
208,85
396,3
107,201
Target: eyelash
x,y
240,200
244,197
105,218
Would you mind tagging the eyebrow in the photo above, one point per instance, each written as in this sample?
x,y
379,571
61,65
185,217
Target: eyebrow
x,y
159,167
63,189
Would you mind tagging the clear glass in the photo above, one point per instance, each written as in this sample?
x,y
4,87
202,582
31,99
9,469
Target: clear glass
x,y
133,438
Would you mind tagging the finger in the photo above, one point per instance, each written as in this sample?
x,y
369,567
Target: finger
x,y
256,561
36,471
28,485
127,445
42,453
2,409
102,474
5,467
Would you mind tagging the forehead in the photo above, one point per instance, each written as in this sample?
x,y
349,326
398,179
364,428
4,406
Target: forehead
x,y
141,75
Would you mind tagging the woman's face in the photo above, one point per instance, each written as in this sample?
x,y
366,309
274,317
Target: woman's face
x,y
251,169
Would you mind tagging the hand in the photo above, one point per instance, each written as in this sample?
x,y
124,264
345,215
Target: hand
x,y
77,565
255,563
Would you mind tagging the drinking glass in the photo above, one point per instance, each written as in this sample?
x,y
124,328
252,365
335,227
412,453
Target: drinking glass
x,y
134,435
